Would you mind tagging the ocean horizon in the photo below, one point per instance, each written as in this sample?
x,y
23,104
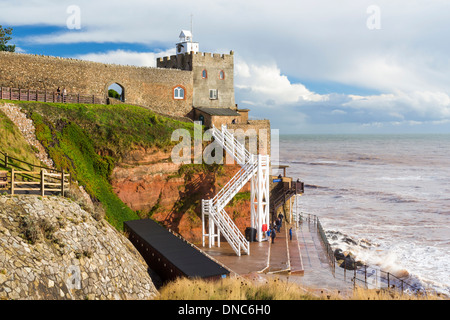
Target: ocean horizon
x,y
388,190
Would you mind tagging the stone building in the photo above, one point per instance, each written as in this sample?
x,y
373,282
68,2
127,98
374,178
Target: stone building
x,y
213,99
212,77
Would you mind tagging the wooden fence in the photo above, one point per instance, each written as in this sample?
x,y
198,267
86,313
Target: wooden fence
x,y
46,96
26,181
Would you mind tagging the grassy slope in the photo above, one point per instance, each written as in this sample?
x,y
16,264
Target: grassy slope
x,y
88,140
13,143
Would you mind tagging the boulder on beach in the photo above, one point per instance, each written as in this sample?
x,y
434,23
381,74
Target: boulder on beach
x,y
346,260
339,254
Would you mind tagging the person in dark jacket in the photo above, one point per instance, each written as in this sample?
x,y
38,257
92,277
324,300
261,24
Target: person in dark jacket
x,y
278,224
272,235
280,216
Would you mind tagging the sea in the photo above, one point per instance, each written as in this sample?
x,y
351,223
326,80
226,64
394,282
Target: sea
x,y
389,194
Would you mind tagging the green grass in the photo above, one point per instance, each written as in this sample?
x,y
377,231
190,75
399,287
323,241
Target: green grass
x,y
14,144
89,140
116,129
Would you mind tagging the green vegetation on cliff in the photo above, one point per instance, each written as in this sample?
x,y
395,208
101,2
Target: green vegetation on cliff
x,y
89,140
14,144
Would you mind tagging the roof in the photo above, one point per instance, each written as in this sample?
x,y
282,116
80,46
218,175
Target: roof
x,y
185,34
182,255
220,112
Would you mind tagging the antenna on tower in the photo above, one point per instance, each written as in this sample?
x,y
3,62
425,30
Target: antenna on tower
x,y
192,30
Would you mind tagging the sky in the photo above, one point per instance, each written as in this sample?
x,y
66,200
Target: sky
x,y
311,67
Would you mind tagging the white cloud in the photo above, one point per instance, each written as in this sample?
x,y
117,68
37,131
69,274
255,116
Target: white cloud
x,y
140,59
405,66
423,104
267,86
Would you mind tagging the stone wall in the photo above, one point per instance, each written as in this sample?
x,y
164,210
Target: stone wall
x,y
259,127
152,87
52,249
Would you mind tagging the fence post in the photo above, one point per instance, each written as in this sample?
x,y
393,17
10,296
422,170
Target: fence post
x,y
6,160
389,286
12,181
365,274
62,183
345,268
42,182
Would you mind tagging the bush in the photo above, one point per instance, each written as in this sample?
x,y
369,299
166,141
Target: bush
x,y
29,230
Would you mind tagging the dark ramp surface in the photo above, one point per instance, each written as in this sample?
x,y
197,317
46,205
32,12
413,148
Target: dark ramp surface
x,y
169,256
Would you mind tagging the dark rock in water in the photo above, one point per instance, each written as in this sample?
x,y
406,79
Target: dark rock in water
x,y
350,241
348,263
339,255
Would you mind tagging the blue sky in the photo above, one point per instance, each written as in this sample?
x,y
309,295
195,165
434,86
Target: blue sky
x,y
323,66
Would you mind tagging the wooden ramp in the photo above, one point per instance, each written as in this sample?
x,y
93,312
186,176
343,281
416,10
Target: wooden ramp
x,y
170,256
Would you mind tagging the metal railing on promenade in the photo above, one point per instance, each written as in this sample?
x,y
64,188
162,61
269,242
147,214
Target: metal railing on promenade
x,y
362,275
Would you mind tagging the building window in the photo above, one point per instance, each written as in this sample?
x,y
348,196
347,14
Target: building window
x,y
204,74
213,94
178,93
221,75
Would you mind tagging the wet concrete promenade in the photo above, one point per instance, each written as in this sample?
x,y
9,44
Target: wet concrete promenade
x,y
301,259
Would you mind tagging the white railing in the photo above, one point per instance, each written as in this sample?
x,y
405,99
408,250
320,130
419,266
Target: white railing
x,y
214,208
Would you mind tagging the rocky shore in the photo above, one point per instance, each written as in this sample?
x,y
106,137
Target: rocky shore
x,y
50,248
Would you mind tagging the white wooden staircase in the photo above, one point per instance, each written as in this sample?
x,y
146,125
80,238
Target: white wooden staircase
x,y
253,167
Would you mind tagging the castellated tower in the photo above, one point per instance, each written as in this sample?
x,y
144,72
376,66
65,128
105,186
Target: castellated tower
x,y
213,74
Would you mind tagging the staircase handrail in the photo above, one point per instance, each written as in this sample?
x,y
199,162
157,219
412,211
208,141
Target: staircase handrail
x,y
237,149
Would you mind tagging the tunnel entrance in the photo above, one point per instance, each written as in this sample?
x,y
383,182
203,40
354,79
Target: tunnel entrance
x,y
116,91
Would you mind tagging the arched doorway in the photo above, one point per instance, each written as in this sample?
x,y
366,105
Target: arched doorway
x,y
116,91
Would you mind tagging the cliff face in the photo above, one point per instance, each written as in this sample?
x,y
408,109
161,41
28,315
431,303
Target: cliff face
x,y
52,249
148,182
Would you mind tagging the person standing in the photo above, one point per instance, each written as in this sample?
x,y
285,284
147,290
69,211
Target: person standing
x,y
272,235
290,233
280,216
278,222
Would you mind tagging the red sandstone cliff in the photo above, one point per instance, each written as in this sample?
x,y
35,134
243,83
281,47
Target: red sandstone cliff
x,y
148,182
